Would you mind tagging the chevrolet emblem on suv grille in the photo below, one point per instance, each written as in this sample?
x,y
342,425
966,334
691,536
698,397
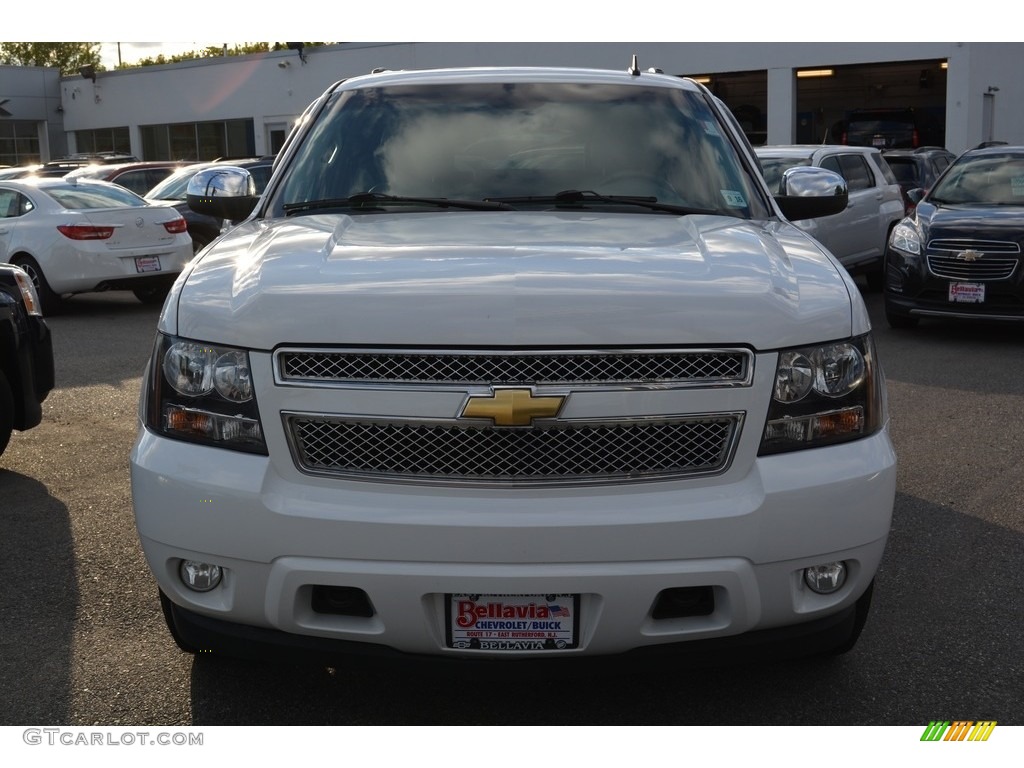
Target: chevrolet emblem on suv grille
x,y
969,256
511,407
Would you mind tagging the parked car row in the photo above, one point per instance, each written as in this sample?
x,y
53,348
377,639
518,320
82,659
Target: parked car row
x,y
954,250
91,229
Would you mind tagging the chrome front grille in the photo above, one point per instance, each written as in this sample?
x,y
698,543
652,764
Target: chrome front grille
x,y
973,260
561,452
696,368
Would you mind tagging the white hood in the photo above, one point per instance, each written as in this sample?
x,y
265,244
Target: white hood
x,y
516,279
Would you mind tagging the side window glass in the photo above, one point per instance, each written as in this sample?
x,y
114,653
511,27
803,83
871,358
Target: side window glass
x,y
886,169
13,204
136,181
831,163
856,172
8,204
260,176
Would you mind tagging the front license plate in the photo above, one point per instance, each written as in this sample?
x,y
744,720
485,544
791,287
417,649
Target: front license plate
x,y
967,293
147,263
512,622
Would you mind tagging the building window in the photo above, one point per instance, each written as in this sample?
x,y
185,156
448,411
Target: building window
x,y
104,140
199,141
19,142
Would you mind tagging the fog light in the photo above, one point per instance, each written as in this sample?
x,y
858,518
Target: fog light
x,y
199,577
825,579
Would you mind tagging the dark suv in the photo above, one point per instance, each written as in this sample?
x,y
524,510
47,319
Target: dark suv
x,y
918,168
882,128
26,354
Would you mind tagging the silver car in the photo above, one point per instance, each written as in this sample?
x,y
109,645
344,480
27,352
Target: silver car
x,y
858,235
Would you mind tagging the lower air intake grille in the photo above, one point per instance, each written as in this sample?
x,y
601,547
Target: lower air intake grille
x,y
565,453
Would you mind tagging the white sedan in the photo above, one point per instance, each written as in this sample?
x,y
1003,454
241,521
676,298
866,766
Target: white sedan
x,y
78,236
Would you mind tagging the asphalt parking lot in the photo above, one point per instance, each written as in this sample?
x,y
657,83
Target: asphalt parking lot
x,y
83,641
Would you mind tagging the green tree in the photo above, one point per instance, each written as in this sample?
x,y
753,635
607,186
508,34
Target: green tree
x,y
68,57
213,52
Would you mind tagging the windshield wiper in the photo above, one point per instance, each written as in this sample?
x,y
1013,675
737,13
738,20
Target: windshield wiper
x,y
377,199
570,196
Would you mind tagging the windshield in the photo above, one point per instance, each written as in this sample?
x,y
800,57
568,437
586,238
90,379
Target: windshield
x,y
175,185
905,170
985,179
515,140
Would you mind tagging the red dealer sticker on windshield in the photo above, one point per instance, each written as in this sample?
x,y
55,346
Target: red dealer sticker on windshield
x,y
512,622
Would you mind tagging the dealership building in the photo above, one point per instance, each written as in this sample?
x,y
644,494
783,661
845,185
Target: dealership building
x,y
961,94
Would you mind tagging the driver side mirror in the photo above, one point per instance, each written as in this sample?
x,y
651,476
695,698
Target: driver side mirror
x,y
225,192
808,192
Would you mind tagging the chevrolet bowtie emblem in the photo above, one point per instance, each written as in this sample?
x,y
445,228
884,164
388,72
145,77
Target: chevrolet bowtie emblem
x,y
512,407
969,255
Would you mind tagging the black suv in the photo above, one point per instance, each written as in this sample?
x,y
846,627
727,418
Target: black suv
x,y
918,168
882,128
26,354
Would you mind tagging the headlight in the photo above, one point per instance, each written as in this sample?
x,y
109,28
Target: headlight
x,y
823,395
203,393
906,238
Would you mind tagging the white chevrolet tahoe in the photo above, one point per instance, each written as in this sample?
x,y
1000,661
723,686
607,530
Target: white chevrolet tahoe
x,y
514,363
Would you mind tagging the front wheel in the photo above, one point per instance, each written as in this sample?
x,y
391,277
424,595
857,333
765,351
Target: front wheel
x,y
168,610
860,618
875,279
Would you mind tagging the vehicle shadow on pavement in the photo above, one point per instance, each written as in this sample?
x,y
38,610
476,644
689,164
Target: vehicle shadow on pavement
x,y
38,602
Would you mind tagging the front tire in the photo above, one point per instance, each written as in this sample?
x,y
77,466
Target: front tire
x,y
168,610
859,620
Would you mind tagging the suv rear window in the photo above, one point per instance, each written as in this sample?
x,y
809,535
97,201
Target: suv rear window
x,y
882,129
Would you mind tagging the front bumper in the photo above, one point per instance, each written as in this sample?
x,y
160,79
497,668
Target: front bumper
x,y
617,547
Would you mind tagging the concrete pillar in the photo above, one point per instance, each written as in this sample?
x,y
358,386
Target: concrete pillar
x,y
781,106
